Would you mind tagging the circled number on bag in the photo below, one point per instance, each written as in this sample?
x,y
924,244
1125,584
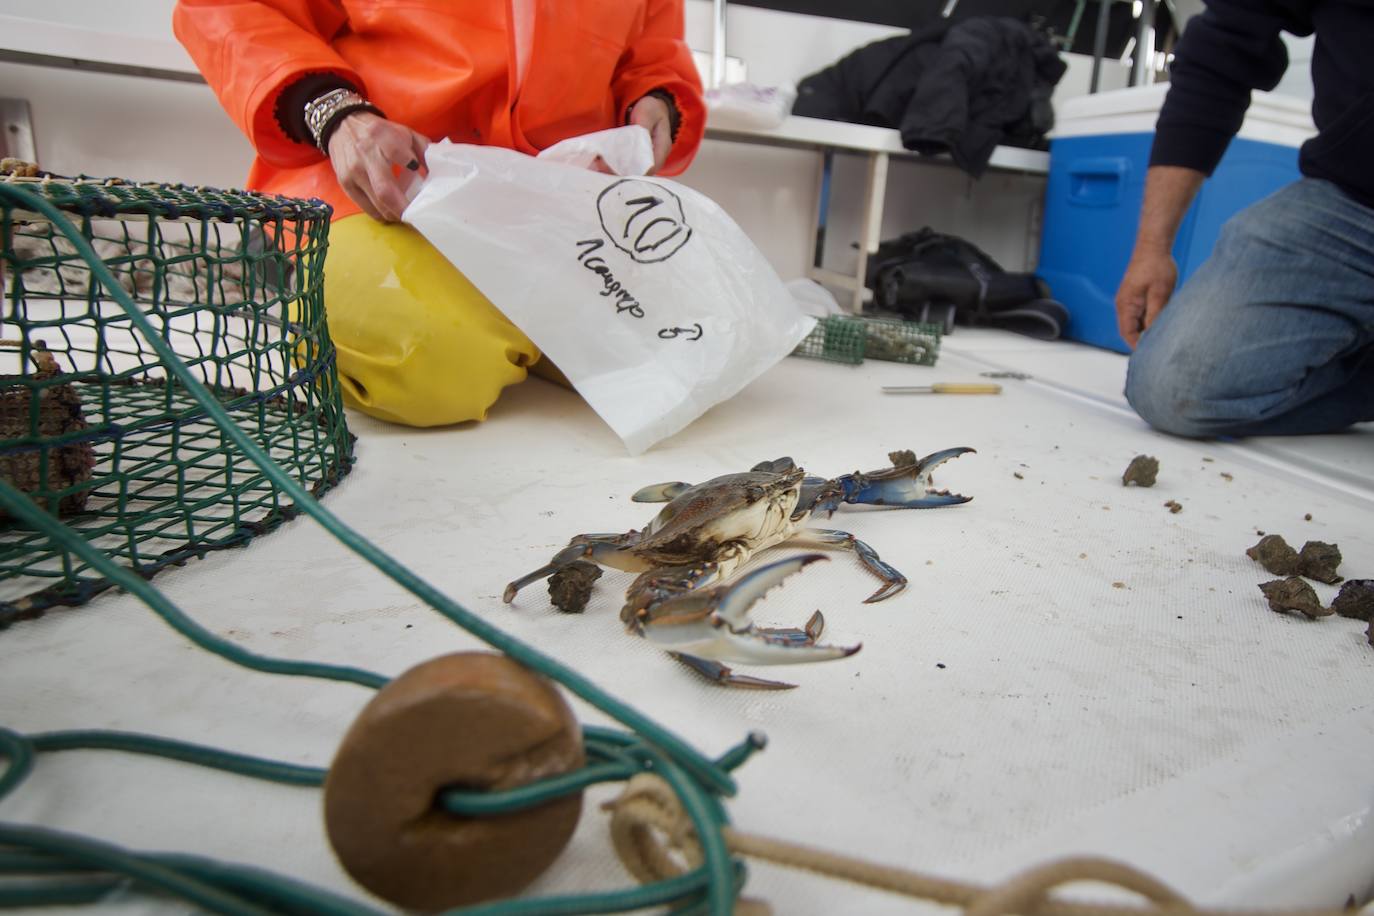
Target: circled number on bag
x,y
643,219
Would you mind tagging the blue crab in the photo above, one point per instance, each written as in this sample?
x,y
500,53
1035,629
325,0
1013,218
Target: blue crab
x,y
683,600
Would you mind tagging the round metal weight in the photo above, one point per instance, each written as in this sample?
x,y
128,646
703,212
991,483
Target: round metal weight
x,y
476,721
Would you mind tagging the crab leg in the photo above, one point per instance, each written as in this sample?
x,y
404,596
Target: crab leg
x,y
906,486
724,675
660,585
893,581
661,492
602,549
714,624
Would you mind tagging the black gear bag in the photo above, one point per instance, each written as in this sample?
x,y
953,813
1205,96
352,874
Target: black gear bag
x,y
932,277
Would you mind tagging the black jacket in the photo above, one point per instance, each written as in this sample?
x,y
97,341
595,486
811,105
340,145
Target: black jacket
x,y
1233,47
959,88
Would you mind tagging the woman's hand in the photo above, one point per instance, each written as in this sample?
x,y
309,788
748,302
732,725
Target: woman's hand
x,y
652,114
363,150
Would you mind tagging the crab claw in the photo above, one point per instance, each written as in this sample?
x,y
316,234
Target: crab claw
x,y
922,480
714,624
906,485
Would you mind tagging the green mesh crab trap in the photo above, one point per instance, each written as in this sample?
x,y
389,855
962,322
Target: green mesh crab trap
x,y
837,339
844,339
901,341
95,430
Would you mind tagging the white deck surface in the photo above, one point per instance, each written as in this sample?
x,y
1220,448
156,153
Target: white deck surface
x,y
1113,681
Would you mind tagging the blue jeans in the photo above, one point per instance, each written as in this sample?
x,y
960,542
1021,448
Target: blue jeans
x,y
1274,334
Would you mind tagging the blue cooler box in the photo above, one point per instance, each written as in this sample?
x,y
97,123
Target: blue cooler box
x,y
1099,153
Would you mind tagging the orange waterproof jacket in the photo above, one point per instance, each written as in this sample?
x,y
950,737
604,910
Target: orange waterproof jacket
x,y
443,68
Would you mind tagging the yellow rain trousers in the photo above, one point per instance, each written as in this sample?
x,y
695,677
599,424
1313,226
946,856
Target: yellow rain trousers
x,y
417,343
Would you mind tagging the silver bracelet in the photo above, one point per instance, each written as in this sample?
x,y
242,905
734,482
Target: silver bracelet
x,y
323,110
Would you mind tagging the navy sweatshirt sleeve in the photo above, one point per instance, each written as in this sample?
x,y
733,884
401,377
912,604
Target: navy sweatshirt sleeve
x,y
1229,49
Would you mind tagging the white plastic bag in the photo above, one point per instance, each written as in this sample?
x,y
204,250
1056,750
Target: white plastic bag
x,y
645,293
747,105
813,299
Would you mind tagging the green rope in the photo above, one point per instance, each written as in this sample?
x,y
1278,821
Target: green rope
x,y
217,886
700,767
57,856
58,893
481,804
197,754
18,752
737,755
283,895
146,871
683,767
660,893
22,508
706,815
617,768
13,862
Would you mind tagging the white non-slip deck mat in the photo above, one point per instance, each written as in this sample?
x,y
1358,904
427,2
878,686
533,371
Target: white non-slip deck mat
x,y
1073,667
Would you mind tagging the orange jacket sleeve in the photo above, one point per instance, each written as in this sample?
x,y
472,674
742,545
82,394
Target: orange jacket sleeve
x,y
249,50
660,59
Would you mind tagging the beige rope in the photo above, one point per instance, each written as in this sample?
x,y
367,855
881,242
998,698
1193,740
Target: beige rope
x,y
654,839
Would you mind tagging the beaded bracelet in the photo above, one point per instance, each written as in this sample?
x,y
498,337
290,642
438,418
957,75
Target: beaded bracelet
x,y
323,114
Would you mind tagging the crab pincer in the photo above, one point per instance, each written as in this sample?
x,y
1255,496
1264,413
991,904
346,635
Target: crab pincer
x,y
703,629
907,484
